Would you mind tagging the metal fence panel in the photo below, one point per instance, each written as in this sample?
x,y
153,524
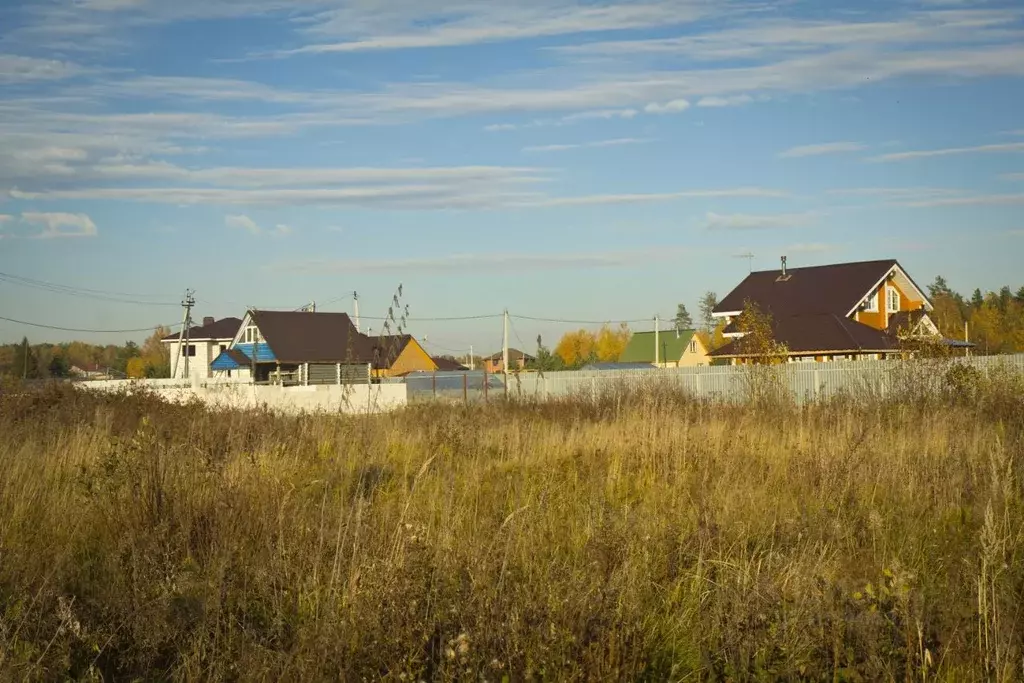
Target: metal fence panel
x,y
803,381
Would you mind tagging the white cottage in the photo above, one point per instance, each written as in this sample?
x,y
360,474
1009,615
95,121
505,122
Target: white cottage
x,y
204,344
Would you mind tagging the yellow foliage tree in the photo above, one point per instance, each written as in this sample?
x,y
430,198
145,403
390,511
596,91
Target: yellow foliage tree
x,y
611,343
136,368
576,347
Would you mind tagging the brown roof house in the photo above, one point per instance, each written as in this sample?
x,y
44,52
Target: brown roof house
x,y
301,347
517,361
445,364
843,311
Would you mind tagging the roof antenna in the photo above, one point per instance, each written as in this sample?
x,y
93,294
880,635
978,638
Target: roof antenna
x,y
750,260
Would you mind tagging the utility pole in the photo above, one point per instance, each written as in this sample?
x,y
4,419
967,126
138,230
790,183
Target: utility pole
x,y
504,349
472,364
187,303
657,340
355,305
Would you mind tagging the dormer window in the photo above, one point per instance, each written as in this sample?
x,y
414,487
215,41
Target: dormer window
x,y
871,305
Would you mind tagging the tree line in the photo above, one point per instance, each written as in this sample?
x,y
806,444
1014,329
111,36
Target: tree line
x,y
60,361
992,321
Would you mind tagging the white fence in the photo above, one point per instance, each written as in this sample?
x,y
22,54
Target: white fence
x,y
351,399
805,381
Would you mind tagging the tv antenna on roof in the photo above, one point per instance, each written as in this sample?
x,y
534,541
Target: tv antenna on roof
x,y
750,260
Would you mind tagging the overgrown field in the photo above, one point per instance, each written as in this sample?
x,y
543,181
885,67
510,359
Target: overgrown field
x,y
644,537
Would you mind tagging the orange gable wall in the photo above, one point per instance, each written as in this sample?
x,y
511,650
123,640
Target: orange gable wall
x,y
879,320
411,359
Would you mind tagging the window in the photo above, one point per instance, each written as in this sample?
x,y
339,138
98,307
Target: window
x,y
189,350
892,298
693,346
871,305
252,335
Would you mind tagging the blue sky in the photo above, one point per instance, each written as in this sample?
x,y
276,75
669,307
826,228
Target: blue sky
x,y
570,160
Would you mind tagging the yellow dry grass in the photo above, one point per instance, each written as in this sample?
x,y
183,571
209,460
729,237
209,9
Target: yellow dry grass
x,y
645,537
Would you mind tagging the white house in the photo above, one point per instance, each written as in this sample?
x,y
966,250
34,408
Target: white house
x,y
204,344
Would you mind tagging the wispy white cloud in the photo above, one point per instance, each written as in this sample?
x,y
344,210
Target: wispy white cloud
x,y
949,151
970,200
742,221
1012,176
641,198
617,142
671,107
401,25
243,222
488,263
600,114
455,195
730,101
19,69
766,39
58,225
819,149
896,192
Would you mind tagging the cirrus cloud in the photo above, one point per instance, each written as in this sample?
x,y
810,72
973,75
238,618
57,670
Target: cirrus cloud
x,y
59,225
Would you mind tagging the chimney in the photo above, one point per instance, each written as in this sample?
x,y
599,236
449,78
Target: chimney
x,y
208,320
783,266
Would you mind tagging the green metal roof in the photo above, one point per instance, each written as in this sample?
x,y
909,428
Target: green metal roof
x,y
641,346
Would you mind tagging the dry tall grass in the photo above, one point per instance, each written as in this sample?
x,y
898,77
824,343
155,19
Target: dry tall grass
x,y
644,537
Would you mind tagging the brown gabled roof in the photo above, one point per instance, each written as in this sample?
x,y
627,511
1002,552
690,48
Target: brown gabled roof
x,y
513,355
390,348
225,328
829,333
303,337
905,322
816,290
448,365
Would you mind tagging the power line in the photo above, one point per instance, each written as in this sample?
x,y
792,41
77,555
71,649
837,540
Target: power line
x,y
578,322
75,329
516,333
426,320
99,295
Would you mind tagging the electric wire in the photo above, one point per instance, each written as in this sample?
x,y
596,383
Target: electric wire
x,y
77,329
95,294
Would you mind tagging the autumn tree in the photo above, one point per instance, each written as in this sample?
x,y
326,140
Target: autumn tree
x,y
576,348
762,380
135,368
683,319
156,354
610,343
